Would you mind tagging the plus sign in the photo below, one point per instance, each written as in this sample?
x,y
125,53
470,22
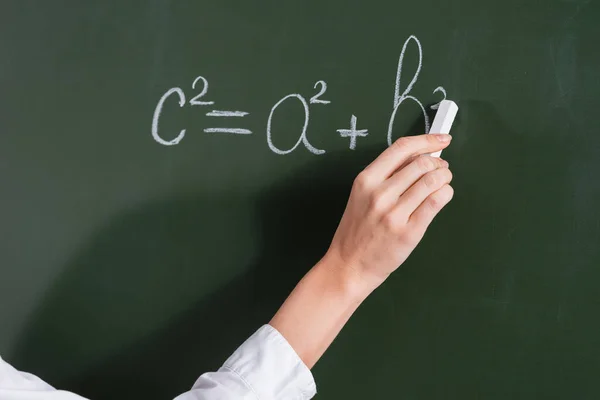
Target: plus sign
x,y
352,133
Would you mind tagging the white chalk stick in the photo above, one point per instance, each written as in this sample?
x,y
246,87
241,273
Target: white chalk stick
x,y
443,120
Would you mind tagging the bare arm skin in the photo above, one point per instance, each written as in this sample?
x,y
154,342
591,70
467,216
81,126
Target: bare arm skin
x,y
392,203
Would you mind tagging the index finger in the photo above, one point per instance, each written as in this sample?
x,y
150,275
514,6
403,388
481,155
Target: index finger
x,y
402,150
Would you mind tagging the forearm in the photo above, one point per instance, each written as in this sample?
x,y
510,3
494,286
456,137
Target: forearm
x,y
319,307
392,203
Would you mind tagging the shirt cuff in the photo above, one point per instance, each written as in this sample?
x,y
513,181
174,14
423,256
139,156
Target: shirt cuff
x,y
268,364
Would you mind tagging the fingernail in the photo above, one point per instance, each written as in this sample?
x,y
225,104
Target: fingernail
x,y
446,164
444,138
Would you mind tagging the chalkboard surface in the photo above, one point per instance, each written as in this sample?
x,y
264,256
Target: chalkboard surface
x,y
135,257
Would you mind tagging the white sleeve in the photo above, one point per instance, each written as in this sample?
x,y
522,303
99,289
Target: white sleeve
x,y
264,367
17,385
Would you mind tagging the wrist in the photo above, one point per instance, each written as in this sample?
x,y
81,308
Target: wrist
x,y
319,306
347,278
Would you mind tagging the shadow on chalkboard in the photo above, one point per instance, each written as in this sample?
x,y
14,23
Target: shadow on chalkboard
x,y
96,332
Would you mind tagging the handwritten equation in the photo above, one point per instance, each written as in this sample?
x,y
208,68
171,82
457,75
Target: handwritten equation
x,y
352,133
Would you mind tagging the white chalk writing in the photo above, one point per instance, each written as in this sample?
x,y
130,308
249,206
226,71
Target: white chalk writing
x,y
353,133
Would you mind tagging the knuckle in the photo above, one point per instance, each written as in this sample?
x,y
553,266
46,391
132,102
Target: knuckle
x,y
432,139
425,163
431,179
402,144
395,223
362,181
390,222
378,202
440,198
434,202
437,178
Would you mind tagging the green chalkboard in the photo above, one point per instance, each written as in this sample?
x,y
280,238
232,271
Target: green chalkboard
x,y
133,258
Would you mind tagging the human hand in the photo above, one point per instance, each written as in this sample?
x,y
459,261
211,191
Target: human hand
x,y
392,202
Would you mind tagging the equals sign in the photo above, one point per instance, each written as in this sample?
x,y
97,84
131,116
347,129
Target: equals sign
x,y
225,113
